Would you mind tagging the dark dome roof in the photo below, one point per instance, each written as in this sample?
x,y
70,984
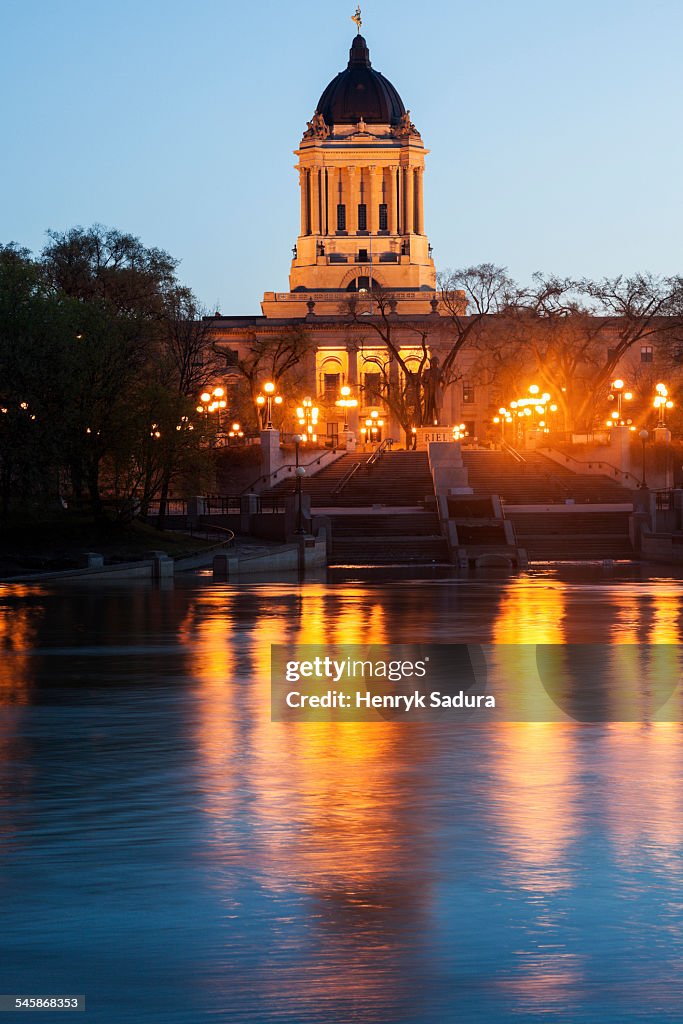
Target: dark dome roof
x,y
360,92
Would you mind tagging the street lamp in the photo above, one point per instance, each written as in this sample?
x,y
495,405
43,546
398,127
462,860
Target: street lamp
x,y
503,417
265,403
307,415
533,404
617,391
643,435
372,428
300,473
236,431
346,403
212,401
184,424
661,402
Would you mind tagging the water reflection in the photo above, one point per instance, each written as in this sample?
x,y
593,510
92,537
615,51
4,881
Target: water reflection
x,y
318,872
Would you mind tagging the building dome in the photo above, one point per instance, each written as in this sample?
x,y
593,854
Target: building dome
x,y
360,93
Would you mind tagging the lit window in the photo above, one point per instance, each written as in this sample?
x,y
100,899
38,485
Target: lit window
x,y
331,384
468,394
646,353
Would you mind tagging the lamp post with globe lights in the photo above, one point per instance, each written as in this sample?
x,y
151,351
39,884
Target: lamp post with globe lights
x,y
300,473
212,402
661,403
373,426
346,403
307,415
265,401
530,411
643,435
235,434
619,395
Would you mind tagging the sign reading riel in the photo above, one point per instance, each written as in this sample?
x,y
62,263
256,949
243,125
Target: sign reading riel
x,y
426,435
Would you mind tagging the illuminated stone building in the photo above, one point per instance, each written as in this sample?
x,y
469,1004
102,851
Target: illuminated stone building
x,y
361,168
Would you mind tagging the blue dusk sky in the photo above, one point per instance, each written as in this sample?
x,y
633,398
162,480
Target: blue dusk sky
x,y
554,128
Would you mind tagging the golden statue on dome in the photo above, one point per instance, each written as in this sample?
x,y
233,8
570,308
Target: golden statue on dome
x,y
357,18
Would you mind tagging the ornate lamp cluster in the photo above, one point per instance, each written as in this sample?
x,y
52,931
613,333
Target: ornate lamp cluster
x,y
535,406
372,427
212,402
307,415
619,395
661,402
346,403
265,402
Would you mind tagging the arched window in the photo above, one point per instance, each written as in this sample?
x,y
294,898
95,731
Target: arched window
x,y
361,284
331,378
373,382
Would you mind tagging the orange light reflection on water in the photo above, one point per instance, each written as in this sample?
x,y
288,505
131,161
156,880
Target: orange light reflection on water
x,y
18,627
339,786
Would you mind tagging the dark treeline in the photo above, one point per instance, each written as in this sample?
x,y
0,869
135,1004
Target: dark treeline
x,y
102,354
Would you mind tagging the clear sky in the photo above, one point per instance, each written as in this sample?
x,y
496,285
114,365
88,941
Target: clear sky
x,y
554,128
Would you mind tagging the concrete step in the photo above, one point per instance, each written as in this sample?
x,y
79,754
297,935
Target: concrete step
x,y
398,478
536,480
392,551
565,524
423,524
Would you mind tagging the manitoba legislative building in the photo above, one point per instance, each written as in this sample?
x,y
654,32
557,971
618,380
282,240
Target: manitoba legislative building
x,y
362,245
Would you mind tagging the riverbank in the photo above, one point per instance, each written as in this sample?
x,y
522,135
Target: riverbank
x,y
61,543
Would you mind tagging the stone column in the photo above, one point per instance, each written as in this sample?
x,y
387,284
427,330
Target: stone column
x,y
332,196
315,200
409,202
419,183
398,199
373,201
391,199
352,201
394,430
303,185
352,381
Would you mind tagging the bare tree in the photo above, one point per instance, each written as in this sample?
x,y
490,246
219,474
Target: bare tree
x,y
188,362
629,311
474,301
401,378
274,358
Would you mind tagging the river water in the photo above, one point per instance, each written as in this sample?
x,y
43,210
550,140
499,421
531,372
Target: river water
x,y
173,854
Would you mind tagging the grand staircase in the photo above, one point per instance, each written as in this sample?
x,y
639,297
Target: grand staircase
x,y
396,538
537,480
385,514
379,518
396,479
573,535
572,530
